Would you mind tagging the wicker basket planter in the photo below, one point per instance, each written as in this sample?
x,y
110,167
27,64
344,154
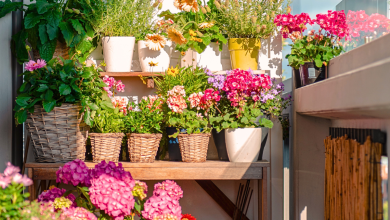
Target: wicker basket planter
x,y
57,136
106,146
143,147
61,50
193,147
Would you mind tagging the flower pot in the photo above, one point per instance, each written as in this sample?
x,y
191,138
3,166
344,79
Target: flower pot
x,y
118,53
243,144
61,50
161,57
106,146
210,58
220,144
244,53
58,136
309,73
193,147
143,147
173,145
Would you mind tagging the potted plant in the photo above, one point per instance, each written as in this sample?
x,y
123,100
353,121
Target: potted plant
x,y
311,52
143,123
239,112
154,49
108,122
246,23
191,115
118,24
54,29
50,102
194,80
201,31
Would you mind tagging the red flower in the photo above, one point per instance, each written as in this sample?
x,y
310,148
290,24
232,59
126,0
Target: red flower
x,y
188,217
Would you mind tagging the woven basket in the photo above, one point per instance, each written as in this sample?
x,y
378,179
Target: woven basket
x,y
57,136
106,146
193,147
143,147
61,51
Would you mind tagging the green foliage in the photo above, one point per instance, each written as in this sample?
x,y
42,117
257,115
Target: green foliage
x,y
58,83
36,210
190,121
12,200
316,50
124,18
189,24
8,6
147,120
108,121
249,19
194,80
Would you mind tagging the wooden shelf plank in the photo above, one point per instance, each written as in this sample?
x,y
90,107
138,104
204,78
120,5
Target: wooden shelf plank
x,y
210,170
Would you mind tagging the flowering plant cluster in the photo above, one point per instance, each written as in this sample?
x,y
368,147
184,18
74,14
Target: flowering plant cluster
x,y
146,117
361,25
316,46
12,198
53,83
113,86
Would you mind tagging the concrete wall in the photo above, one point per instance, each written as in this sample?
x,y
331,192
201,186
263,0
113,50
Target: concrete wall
x,y
6,114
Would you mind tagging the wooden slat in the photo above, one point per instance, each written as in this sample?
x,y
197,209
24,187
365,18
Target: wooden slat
x,y
172,170
218,196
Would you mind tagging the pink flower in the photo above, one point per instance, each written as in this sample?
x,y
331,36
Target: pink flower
x,y
40,63
32,65
177,91
112,195
113,85
120,86
120,102
53,193
172,189
112,169
78,213
75,173
22,179
177,103
4,181
162,207
194,99
151,99
11,170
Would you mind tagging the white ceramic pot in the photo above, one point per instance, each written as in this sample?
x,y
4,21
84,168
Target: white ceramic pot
x,y
211,58
118,53
243,144
162,57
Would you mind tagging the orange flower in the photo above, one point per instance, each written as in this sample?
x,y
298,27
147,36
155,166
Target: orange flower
x,y
176,36
187,5
155,41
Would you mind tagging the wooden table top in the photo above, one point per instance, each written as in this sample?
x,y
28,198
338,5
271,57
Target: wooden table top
x,y
159,170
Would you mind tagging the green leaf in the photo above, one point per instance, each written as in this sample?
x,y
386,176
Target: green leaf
x,y
244,120
42,87
77,26
48,105
22,116
19,46
70,99
318,62
52,31
47,50
64,89
22,101
43,6
67,32
76,88
93,106
31,19
64,76
266,123
86,74
206,40
49,95
22,87
43,34
10,6
53,18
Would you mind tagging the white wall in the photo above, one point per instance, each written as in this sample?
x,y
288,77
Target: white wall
x,y
6,114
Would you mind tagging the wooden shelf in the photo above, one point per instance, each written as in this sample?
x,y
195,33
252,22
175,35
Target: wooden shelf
x,y
161,170
129,74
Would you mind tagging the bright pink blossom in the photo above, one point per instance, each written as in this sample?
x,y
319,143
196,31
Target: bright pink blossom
x,y
52,194
194,99
4,181
32,65
177,103
172,189
112,195
113,85
78,213
113,170
162,207
121,103
75,173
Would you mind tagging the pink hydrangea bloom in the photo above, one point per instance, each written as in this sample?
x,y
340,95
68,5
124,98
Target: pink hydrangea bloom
x,y
170,187
78,213
53,193
75,173
11,174
113,170
162,207
112,195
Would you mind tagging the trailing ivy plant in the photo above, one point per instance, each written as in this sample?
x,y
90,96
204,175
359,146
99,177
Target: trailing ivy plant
x,y
61,82
47,21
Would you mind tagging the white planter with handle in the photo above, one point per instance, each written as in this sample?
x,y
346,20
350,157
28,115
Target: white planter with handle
x,y
211,58
118,53
161,57
243,144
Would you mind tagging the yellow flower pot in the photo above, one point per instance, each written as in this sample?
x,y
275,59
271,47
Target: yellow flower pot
x,y
244,53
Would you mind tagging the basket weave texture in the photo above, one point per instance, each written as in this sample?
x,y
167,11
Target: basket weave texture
x,y
62,50
193,147
106,146
57,136
143,147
